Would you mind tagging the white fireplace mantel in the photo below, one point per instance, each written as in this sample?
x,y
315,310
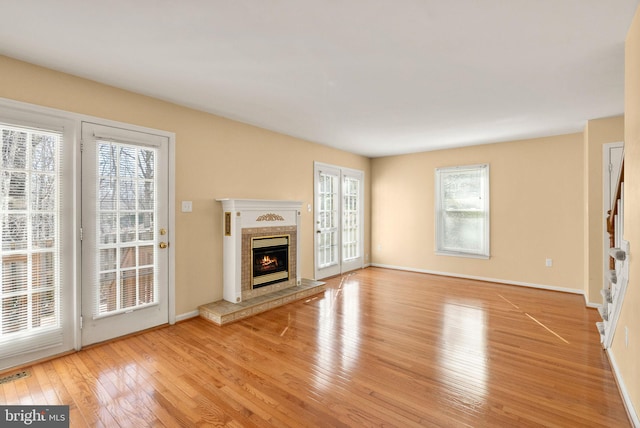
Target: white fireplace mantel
x,y
239,214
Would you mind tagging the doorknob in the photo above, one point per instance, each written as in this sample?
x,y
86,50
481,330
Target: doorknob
x,y
317,231
163,245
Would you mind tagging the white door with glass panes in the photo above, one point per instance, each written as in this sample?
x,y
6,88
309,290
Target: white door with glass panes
x,y
339,218
124,227
36,234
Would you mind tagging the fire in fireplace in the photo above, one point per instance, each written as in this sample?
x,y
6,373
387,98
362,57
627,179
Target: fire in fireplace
x,y
270,260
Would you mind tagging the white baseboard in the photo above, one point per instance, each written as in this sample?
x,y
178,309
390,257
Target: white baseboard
x,y
479,278
591,305
187,315
626,399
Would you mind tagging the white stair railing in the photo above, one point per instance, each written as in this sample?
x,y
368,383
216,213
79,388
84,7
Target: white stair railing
x,y
618,274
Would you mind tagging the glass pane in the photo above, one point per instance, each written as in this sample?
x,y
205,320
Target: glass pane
x,y
127,161
145,226
43,230
127,257
43,313
43,192
145,195
108,233
14,149
108,292
146,281
463,190
146,165
127,195
15,189
14,314
145,255
107,160
127,227
43,153
14,273
107,193
14,231
108,259
464,231
128,286
43,270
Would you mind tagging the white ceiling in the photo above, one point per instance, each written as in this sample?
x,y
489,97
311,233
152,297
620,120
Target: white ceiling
x,y
373,77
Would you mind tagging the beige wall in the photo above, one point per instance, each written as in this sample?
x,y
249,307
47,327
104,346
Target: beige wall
x,y
215,158
597,133
627,358
537,198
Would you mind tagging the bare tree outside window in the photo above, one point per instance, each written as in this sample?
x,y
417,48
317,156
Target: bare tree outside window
x,y
29,189
126,214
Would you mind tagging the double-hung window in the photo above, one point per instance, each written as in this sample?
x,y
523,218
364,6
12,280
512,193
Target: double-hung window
x,y
462,211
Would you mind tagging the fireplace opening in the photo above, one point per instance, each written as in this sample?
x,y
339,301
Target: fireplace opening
x,y
270,260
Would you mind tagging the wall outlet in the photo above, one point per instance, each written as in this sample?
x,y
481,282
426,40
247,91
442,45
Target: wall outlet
x,y
548,262
187,206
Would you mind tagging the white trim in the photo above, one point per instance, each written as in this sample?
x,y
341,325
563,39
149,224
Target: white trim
x,y
479,278
187,315
626,398
172,228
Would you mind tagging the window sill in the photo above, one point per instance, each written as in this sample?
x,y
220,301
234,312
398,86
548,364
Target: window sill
x,y
459,254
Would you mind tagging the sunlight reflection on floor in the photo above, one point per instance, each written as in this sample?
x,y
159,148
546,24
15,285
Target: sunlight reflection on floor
x,y
463,350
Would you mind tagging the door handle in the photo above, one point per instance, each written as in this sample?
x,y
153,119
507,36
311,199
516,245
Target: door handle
x,y
163,245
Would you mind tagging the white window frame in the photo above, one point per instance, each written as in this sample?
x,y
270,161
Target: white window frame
x,y
440,231
30,347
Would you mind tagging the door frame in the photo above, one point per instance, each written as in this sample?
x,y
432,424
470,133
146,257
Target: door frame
x,y
170,238
342,171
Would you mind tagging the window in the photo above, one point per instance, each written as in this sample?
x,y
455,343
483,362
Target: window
x,y
31,216
462,211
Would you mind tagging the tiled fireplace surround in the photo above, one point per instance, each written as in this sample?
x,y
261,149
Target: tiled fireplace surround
x,y
246,290
243,220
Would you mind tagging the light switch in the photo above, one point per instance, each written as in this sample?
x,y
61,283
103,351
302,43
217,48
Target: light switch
x,y
187,206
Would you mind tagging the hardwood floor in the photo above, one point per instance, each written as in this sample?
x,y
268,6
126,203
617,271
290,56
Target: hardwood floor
x,y
378,348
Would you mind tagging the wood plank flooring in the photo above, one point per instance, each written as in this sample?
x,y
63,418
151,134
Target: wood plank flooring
x,y
378,348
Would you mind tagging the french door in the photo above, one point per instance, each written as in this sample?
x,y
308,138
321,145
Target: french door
x,y
125,207
339,218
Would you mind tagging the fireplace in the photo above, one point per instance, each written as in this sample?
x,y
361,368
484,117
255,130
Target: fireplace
x,y
261,243
270,260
